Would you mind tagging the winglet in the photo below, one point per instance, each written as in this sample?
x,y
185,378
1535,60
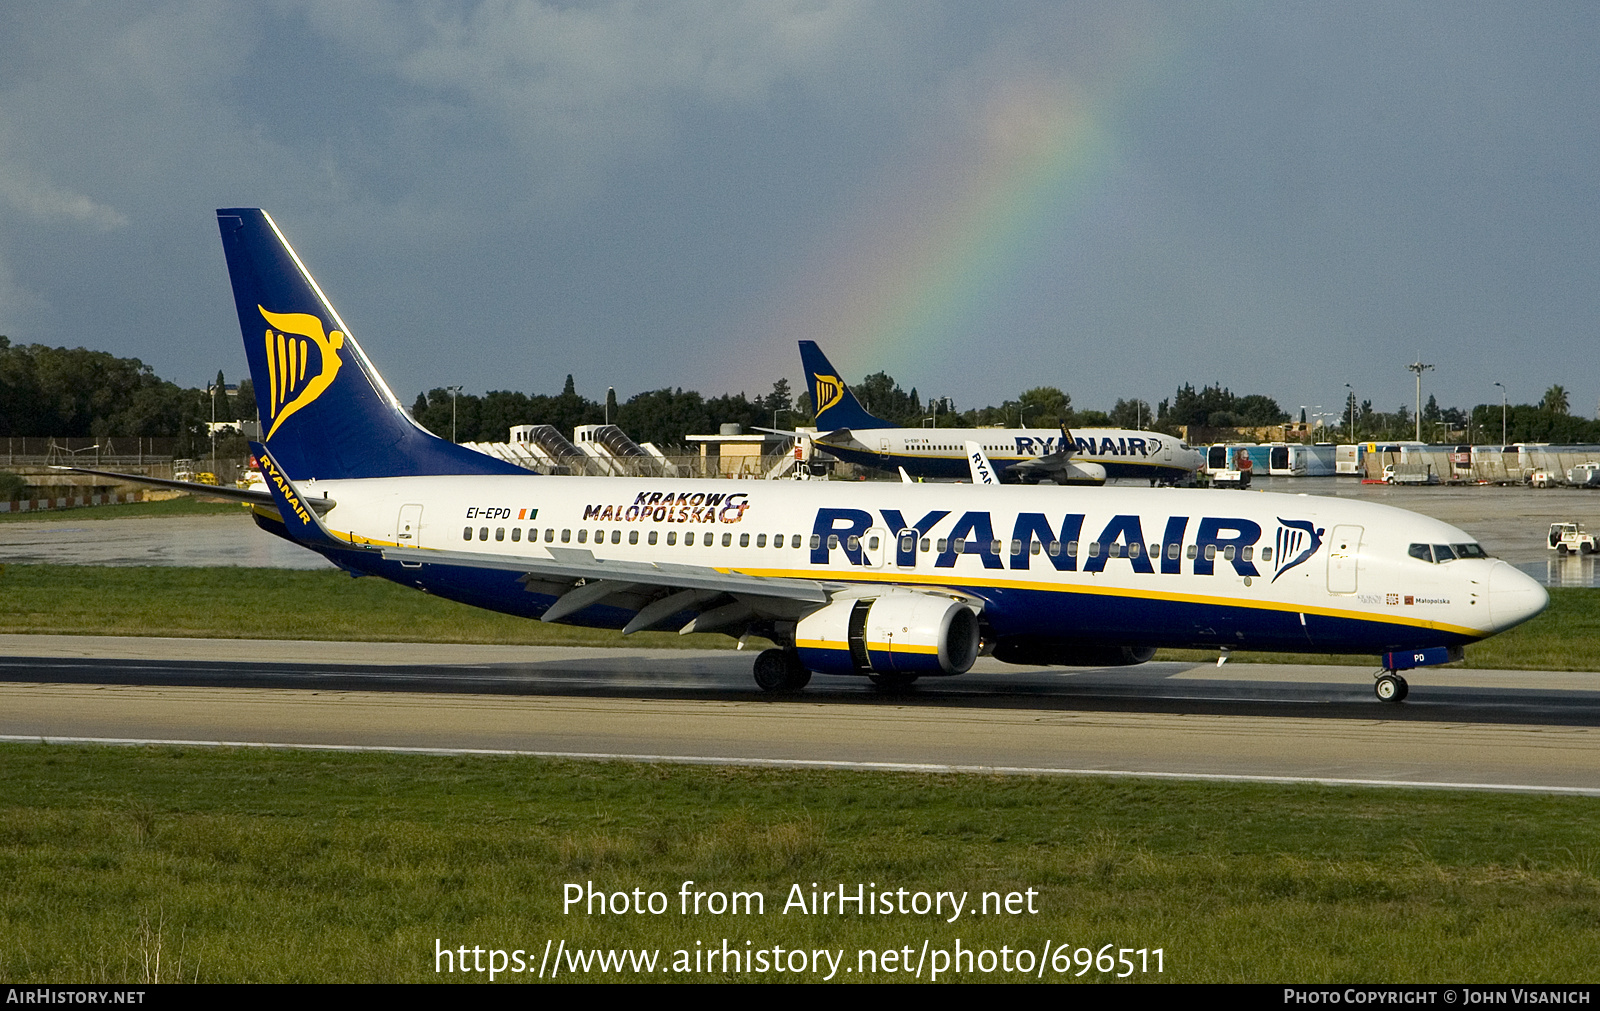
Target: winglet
x,y
299,518
978,461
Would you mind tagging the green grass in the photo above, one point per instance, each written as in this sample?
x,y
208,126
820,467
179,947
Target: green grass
x,y
281,866
290,604
183,505
273,604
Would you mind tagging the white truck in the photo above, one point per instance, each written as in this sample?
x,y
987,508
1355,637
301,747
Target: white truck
x,y
1572,539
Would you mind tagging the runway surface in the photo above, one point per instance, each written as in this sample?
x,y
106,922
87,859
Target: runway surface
x,y
1483,729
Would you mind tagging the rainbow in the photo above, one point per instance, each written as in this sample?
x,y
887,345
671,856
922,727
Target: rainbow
x,y
933,252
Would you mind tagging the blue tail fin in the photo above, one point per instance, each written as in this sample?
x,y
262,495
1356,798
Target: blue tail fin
x,y
325,411
836,406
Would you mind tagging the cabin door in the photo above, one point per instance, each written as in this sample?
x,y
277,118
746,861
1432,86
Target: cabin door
x,y
409,526
1344,550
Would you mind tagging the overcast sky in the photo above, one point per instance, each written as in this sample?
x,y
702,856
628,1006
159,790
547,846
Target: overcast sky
x,y
1110,198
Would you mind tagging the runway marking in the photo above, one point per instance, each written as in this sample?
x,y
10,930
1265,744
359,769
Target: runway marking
x,y
801,763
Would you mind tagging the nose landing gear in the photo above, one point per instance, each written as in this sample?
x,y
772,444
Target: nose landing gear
x,y
1391,687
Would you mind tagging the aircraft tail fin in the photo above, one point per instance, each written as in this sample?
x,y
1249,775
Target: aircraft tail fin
x,y
978,463
836,406
325,411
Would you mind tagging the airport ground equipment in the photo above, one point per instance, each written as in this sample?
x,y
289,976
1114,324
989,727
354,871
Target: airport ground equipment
x,y
1572,539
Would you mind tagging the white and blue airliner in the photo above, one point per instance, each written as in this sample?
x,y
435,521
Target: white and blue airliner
x,y
888,581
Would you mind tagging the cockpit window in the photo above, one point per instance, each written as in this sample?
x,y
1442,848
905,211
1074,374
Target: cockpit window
x,y
1441,553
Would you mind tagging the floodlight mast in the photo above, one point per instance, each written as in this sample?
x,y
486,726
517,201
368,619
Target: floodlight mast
x,y
1419,368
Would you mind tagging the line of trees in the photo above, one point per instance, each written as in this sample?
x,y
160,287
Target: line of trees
x,y
75,392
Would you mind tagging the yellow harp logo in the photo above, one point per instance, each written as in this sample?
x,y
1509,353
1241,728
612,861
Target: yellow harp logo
x,y
294,381
829,391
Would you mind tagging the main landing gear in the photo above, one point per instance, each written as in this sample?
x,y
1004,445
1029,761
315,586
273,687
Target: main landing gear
x,y
780,670
1391,687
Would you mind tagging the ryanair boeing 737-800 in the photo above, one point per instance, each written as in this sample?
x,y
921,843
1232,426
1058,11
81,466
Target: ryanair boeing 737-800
x,y
1083,456
888,581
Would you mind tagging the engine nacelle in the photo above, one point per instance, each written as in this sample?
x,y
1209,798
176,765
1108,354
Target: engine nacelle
x,y
911,633
1062,654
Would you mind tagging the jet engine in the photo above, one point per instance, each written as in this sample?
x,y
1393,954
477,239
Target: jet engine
x,y
897,633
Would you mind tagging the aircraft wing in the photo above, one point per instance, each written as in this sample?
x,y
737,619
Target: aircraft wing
x,y
579,563
321,505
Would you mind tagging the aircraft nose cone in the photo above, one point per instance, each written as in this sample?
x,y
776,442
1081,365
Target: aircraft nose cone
x,y
1514,597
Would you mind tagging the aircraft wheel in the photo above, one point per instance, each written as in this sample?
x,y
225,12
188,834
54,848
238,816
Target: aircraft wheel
x,y
1392,688
895,681
777,670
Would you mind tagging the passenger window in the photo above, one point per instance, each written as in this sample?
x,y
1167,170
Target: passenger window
x,y
599,536
908,544
925,545
816,542
1135,550
483,533
1211,552
652,537
550,535
616,537
1227,553
1054,549
1172,550
1420,551
727,540
688,539
583,537
853,544
1034,546
761,540
466,534
744,540
499,533
566,536
994,547
1016,546
1249,552
516,533
1072,549
633,537
943,544
1094,549
1266,554
1194,550
672,538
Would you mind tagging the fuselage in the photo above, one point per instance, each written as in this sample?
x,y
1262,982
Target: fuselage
x,y
941,452
1137,566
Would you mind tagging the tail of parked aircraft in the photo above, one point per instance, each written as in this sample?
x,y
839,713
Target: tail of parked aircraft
x,y
325,411
836,406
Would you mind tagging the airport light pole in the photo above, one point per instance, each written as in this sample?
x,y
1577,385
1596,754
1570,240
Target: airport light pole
x,y
1502,415
1419,368
1352,432
453,391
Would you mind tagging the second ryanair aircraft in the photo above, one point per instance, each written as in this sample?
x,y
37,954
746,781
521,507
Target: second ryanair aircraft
x,y
885,580
1089,456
